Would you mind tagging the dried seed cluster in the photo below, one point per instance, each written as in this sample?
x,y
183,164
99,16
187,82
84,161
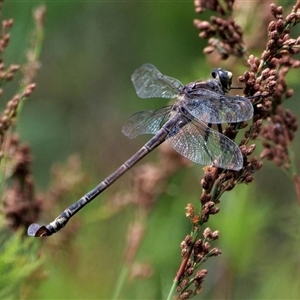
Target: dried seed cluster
x,y
221,8
267,78
278,134
195,253
7,74
224,34
19,206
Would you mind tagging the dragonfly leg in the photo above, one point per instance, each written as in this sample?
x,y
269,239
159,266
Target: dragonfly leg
x,y
207,132
220,129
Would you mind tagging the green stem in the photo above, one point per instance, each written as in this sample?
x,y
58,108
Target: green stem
x,y
120,282
173,289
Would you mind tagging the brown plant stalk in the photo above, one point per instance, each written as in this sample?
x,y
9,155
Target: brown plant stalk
x,y
20,206
265,84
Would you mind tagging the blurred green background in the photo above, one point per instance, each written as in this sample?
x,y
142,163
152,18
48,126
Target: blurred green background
x,y
83,96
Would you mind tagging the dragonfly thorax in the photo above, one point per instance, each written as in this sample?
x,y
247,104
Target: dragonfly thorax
x,y
221,84
199,87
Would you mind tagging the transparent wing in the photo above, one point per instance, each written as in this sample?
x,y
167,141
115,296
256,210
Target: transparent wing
x,y
214,108
144,122
203,145
150,83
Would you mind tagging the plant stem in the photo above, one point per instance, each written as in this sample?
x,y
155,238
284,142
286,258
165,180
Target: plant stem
x,y
120,282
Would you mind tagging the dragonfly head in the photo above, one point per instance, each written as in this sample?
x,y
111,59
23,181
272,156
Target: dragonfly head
x,y
223,77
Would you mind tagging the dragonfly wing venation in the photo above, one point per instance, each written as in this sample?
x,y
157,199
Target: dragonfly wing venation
x,y
214,108
203,145
146,122
151,83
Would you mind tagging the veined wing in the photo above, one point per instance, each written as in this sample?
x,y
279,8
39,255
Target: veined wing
x,y
150,83
203,145
144,122
211,107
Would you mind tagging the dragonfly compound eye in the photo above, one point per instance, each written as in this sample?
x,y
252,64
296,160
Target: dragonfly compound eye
x,y
223,77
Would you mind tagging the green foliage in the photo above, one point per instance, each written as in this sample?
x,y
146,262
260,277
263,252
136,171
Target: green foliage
x,y
18,260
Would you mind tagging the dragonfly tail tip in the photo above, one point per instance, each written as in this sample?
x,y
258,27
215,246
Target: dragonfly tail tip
x,y
36,230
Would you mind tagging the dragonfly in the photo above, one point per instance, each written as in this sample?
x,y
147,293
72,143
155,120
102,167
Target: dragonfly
x,y
185,125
